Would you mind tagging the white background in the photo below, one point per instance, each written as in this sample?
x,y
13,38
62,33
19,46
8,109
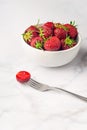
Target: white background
x,y
23,108
17,15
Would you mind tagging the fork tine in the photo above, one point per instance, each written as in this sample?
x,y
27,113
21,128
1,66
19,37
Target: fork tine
x,y
37,85
34,84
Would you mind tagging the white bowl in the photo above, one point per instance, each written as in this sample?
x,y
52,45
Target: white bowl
x,y
51,58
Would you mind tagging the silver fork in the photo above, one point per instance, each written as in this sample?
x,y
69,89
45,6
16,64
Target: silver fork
x,y
43,87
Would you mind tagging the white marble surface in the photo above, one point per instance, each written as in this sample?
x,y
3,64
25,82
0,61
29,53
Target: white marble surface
x,y
23,108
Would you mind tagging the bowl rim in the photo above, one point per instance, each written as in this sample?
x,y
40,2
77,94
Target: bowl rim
x,y
59,51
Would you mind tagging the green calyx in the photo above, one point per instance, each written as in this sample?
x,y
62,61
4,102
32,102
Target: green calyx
x,y
73,23
41,33
27,36
69,41
58,25
38,45
38,23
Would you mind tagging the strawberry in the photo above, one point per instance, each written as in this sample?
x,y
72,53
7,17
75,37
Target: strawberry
x,y
60,33
23,76
51,36
30,33
37,42
68,43
52,44
45,31
49,24
72,30
31,28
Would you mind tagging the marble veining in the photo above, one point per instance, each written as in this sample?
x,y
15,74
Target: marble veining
x,y
22,107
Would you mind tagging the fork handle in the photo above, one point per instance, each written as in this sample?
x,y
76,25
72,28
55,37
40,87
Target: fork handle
x,y
71,93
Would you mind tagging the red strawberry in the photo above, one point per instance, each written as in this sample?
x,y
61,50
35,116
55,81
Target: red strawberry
x,y
23,76
49,24
31,28
60,33
72,30
30,33
68,43
37,42
52,44
45,31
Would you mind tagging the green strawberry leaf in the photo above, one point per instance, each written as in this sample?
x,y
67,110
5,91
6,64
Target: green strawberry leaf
x,y
73,23
57,25
38,45
69,41
27,36
41,33
38,22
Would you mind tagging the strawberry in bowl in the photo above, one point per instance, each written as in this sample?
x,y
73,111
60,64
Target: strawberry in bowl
x,y
52,44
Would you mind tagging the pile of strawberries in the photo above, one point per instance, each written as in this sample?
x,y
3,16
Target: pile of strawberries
x,y
51,36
